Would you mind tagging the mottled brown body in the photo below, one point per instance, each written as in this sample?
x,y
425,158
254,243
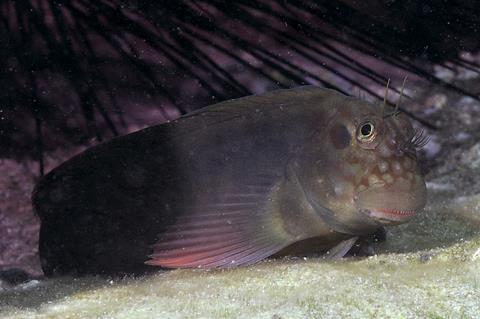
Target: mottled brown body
x,y
231,184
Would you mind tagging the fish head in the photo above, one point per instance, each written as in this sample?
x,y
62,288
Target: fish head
x,y
360,169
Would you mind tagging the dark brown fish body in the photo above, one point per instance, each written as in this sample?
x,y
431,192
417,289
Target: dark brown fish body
x,y
229,185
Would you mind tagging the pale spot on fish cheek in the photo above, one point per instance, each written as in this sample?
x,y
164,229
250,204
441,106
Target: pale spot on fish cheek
x,y
397,168
383,166
374,180
339,189
384,151
387,178
320,182
361,188
392,143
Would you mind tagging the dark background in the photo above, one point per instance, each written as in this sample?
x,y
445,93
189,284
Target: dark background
x,y
77,70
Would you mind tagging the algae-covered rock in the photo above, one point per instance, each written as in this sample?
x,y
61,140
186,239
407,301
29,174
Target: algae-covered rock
x,y
428,268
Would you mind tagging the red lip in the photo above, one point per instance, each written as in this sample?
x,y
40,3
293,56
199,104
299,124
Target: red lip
x,y
392,214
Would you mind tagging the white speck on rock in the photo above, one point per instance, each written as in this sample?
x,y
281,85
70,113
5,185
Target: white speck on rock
x,y
476,255
30,284
440,186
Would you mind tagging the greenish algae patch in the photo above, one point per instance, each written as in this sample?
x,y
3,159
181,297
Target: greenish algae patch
x,y
428,268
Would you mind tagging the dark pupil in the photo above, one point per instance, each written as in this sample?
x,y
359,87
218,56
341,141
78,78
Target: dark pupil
x,y
366,129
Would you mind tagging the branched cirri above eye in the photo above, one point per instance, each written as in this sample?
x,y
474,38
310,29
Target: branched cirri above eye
x,y
418,140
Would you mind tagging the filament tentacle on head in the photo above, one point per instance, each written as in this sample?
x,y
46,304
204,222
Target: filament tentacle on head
x,y
400,97
397,105
385,98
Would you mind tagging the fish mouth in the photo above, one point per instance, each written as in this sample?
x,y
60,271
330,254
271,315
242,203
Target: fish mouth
x,y
395,203
391,216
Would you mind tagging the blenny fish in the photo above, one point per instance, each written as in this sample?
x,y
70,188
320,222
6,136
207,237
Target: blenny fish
x,y
232,184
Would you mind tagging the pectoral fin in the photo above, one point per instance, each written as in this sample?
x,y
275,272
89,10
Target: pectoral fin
x,y
237,230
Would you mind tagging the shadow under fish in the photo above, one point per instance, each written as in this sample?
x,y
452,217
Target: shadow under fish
x,y
232,184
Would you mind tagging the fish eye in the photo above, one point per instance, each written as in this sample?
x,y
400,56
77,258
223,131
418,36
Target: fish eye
x,y
366,132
